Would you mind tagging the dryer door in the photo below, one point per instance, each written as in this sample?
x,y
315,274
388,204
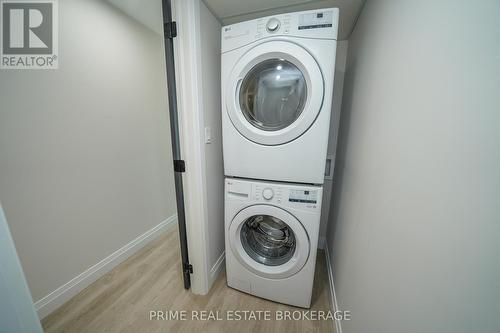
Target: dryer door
x,y
269,241
275,92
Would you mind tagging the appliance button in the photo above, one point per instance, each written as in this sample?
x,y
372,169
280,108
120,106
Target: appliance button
x,y
273,25
268,193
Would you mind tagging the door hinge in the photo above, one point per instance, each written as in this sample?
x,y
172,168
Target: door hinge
x,y
188,268
170,30
179,166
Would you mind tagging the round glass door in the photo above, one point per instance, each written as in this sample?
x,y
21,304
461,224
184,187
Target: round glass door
x,y
268,240
273,94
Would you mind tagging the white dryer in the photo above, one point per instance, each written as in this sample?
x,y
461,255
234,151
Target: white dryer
x,y
271,232
277,85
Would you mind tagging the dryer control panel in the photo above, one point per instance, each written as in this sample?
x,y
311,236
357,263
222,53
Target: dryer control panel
x,y
316,20
318,24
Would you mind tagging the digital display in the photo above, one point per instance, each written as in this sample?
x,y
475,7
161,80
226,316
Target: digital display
x,y
303,196
316,20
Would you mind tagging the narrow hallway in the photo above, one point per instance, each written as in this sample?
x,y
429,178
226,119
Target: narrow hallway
x,y
151,280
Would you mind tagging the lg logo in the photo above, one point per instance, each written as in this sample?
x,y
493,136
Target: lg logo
x,y
29,28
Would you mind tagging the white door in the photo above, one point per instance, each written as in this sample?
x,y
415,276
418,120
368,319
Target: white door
x,y
17,313
275,93
269,241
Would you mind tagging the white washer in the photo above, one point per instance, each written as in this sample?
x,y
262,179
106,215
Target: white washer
x,y
271,232
277,85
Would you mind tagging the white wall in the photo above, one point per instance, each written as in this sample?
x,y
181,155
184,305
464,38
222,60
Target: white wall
x,y
212,111
340,63
415,231
85,156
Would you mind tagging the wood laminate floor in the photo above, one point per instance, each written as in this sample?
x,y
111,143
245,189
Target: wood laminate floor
x,y
151,280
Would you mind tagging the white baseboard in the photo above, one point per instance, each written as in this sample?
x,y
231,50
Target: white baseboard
x,y
333,297
217,268
61,295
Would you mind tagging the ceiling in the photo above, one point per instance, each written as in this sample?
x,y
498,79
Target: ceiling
x,y
233,11
143,12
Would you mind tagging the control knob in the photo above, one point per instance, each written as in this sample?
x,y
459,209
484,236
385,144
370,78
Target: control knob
x,y
273,25
268,193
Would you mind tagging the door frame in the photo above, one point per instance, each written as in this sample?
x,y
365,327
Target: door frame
x,y
179,167
188,77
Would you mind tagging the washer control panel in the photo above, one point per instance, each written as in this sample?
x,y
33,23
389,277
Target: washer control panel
x,y
267,193
305,196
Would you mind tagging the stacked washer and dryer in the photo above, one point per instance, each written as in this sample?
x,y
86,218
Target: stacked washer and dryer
x,y
277,87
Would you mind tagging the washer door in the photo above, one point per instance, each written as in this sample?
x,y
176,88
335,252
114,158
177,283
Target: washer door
x,y
269,241
273,97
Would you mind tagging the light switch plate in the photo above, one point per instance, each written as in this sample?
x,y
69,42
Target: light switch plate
x,y
208,135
